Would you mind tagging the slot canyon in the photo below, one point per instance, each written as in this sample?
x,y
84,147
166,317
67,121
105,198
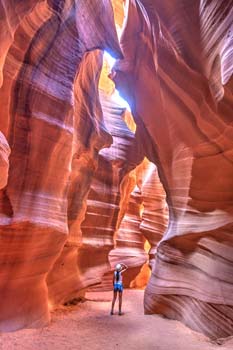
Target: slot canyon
x,y
116,145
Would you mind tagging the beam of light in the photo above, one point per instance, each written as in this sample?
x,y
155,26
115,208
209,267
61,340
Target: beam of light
x,y
116,96
111,60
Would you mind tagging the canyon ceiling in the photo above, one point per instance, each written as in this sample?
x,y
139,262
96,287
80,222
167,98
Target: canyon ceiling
x,y
86,184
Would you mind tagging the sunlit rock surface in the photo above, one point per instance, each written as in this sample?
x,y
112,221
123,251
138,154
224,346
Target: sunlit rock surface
x,y
145,219
75,200
105,199
177,77
51,114
38,118
67,279
155,211
141,224
4,162
129,241
12,14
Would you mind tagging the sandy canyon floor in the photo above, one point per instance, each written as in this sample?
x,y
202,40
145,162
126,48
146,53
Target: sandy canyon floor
x,y
89,325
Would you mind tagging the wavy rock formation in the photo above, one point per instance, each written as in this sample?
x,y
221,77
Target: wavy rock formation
x,y
129,241
11,15
155,211
38,93
143,215
104,203
67,279
4,162
71,204
145,218
177,77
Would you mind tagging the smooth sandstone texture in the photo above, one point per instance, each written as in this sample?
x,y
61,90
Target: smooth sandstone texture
x,y
129,242
67,279
70,209
38,119
155,210
4,162
177,77
106,198
12,12
145,218
142,221
51,113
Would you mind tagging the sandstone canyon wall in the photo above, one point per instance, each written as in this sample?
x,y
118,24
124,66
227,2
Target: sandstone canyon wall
x,y
141,223
177,77
104,198
44,53
77,196
113,215
155,211
67,279
70,158
4,161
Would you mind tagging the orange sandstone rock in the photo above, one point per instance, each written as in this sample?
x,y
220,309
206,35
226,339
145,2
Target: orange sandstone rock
x,y
4,162
106,197
177,77
40,70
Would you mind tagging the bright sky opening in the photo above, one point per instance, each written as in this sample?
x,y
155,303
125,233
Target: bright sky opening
x,y
116,96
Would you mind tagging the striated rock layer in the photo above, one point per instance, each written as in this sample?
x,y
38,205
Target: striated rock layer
x,y
129,241
38,117
67,278
70,207
142,216
155,211
63,201
4,162
177,77
105,202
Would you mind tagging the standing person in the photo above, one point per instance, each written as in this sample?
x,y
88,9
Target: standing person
x,y
118,285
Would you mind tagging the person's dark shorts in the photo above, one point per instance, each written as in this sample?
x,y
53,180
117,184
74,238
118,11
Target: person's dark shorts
x,y
118,287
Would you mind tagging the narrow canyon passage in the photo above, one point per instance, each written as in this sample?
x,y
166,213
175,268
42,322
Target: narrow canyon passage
x,y
116,146
89,325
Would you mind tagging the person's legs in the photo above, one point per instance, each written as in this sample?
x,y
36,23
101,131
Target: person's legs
x,y
113,300
120,302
